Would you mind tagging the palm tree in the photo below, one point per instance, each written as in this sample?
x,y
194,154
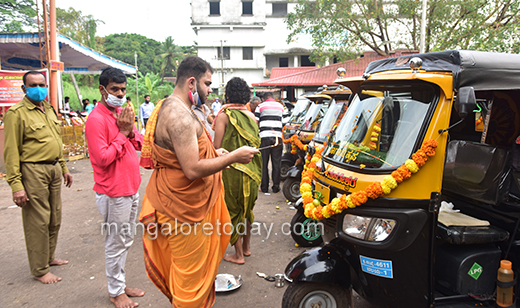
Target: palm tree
x,y
171,55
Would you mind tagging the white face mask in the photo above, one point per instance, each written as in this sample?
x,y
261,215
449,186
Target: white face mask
x,y
114,101
194,97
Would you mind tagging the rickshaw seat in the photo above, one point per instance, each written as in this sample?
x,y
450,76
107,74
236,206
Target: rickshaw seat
x,y
477,171
471,235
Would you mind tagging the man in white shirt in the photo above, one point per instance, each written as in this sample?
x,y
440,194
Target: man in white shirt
x,y
216,106
146,110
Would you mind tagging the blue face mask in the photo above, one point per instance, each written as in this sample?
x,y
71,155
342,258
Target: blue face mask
x,y
36,94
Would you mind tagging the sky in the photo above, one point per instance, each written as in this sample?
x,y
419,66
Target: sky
x,y
156,19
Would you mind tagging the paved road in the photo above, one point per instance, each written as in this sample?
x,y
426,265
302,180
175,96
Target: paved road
x,y
81,242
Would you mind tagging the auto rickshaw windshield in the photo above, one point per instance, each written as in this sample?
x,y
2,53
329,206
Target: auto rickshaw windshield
x,y
381,126
313,115
299,109
328,121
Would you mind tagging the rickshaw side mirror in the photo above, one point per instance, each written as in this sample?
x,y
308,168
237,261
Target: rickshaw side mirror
x,y
465,102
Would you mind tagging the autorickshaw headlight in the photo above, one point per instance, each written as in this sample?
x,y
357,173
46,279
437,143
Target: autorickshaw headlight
x,y
356,226
381,229
368,228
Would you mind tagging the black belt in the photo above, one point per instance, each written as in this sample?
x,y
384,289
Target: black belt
x,y
44,162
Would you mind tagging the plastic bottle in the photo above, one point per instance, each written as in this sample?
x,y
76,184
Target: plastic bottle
x,y
505,274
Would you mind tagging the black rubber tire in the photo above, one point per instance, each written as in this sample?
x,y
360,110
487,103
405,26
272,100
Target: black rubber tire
x,y
291,189
283,170
309,294
310,236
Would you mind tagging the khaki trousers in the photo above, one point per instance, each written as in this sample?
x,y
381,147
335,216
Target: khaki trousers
x,y
41,215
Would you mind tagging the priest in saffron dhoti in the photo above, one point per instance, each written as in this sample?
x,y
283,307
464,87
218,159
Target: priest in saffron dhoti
x,y
184,211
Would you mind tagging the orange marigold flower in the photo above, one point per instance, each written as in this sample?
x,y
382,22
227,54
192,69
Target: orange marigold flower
x,y
343,202
359,198
306,180
429,147
422,154
397,176
374,190
418,159
307,200
405,173
317,212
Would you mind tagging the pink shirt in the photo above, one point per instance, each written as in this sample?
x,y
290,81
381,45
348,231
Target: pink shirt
x,y
112,155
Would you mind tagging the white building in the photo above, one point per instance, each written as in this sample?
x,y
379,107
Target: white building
x,y
252,36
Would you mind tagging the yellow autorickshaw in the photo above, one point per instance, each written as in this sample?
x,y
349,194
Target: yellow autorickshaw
x,y
425,136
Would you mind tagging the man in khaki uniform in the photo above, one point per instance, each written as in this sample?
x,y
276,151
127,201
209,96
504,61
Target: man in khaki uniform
x,y
34,161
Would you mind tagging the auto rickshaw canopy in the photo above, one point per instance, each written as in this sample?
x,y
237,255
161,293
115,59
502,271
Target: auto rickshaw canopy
x,y
317,97
481,70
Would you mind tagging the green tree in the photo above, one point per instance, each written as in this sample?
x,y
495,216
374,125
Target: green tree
x,y
151,84
122,47
171,55
346,28
81,28
15,14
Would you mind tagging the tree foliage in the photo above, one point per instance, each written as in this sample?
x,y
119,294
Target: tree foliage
x,y
149,84
15,14
122,47
81,28
171,55
346,28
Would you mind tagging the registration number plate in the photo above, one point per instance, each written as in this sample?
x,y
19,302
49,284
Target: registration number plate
x,y
325,192
381,268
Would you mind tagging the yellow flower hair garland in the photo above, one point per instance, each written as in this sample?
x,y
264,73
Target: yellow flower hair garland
x,y
312,205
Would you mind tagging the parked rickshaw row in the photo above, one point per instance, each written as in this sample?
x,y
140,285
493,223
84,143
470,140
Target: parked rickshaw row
x,y
407,180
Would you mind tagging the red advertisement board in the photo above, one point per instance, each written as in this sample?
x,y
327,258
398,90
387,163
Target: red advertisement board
x,y
11,86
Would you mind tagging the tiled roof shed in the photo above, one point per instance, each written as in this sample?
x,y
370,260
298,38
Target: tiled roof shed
x,y
326,75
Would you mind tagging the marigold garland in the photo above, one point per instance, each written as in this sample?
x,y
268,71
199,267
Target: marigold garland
x,y
295,143
312,206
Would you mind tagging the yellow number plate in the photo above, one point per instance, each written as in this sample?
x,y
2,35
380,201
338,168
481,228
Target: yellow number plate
x,y
325,192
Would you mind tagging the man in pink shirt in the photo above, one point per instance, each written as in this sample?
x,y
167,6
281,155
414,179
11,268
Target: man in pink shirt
x,y
112,142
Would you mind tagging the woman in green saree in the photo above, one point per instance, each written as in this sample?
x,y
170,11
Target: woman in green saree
x,y
235,127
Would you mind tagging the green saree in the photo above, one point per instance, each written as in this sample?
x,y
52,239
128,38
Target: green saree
x,y
241,181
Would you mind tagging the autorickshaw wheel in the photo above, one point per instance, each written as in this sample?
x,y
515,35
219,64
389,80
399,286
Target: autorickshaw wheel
x,y
291,189
285,167
305,231
310,295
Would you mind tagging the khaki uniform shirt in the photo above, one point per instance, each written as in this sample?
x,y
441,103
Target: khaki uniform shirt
x,y
30,136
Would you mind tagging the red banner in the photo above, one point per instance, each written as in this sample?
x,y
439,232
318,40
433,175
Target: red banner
x,y
11,86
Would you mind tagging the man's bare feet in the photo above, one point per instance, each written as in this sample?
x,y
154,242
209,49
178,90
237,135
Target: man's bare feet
x,y
58,262
134,292
247,250
48,278
122,301
234,259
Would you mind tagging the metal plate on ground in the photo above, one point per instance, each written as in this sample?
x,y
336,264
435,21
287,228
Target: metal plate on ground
x,y
227,282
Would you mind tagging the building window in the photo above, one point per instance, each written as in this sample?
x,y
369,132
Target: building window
x,y
247,53
283,62
279,9
214,7
247,7
304,61
226,53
